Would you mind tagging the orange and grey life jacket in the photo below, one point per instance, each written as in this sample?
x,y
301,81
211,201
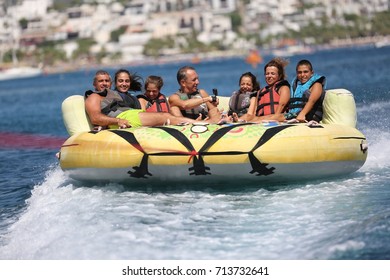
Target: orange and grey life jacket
x,y
300,94
194,112
269,98
114,103
239,102
160,104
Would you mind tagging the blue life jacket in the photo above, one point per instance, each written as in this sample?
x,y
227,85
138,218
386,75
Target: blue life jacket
x,y
300,94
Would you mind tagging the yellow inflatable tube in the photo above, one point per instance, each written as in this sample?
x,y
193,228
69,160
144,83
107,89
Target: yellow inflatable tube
x,y
256,152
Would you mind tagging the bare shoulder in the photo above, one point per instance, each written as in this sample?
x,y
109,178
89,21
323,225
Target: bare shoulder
x,y
173,96
284,88
93,98
317,86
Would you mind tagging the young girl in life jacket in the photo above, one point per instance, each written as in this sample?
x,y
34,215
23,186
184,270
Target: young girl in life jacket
x,y
126,82
240,100
153,100
271,101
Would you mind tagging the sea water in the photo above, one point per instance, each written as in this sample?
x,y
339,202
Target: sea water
x,y
46,215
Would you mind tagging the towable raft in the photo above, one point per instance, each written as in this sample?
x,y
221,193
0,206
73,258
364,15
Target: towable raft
x,y
266,151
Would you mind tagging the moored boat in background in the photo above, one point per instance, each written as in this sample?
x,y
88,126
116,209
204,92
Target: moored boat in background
x,y
20,72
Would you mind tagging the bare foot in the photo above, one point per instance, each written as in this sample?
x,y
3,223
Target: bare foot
x,y
225,119
199,118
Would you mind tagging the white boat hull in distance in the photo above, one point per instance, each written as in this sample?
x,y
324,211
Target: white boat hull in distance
x,y
20,73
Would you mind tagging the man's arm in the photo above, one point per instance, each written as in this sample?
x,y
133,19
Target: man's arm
x,y
214,113
174,100
92,106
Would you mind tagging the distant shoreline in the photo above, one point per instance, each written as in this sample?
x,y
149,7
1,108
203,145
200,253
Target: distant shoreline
x,y
180,58
195,58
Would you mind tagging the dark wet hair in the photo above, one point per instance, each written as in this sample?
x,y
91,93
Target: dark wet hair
x,y
135,80
255,82
304,62
182,72
279,63
156,80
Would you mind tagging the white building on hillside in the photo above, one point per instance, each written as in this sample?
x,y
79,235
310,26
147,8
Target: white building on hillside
x,y
29,9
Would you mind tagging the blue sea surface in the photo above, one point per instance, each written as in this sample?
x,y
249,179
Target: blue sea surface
x,y
46,215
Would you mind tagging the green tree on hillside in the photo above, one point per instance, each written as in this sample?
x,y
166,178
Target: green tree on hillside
x,y
83,50
381,23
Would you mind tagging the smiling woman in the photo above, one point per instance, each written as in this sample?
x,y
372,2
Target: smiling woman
x,y
271,101
124,83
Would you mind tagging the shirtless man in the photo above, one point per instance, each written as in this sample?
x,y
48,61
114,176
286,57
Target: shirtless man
x,y
191,102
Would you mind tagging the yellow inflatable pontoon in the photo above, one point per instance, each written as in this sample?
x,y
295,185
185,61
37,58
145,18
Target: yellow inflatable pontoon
x,y
216,153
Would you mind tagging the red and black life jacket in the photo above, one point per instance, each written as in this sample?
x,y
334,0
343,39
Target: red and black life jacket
x,y
269,98
160,104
